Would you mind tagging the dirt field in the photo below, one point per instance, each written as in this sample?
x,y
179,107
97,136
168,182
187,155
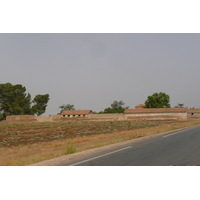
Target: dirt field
x,y
26,143
20,134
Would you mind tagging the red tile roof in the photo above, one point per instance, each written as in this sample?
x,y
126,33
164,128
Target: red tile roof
x,y
140,105
76,112
155,110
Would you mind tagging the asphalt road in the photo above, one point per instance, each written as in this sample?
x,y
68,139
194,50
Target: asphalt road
x,y
178,148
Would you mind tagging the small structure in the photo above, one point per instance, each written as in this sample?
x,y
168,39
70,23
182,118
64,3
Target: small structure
x,y
76,113
156,114
140,106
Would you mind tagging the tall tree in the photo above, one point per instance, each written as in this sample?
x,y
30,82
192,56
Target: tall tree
x,y
116,107
158,100
40,104
66,107
15,101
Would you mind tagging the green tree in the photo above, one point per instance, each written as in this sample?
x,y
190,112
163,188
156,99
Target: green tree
x,y
40,104
15,101
66,107
116,107
158,100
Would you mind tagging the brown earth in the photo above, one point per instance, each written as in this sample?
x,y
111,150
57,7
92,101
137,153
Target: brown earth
x,y
26,143
22,134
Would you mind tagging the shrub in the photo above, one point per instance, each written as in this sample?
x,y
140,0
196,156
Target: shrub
x,y
70,149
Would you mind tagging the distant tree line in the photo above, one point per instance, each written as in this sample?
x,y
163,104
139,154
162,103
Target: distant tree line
x,y
156,100
15,101
115,107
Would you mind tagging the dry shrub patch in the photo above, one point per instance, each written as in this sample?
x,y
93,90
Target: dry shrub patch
x,y
26,143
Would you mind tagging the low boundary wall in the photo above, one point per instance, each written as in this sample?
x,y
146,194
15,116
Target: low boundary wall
x,y
129,114
21,118
49,118
111,116
157,116
193,113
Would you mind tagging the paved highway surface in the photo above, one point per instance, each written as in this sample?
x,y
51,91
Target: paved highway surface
x,y
180,148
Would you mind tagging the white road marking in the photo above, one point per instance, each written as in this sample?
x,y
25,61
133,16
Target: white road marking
x,y
186,129
173,134
100,156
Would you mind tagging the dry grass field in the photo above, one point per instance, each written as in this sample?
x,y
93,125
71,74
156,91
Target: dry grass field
x,y
26,143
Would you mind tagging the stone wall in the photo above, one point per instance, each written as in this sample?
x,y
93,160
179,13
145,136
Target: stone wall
x,y
20,118
49,118
193,113
44,119
112,116
157,116
101,117
31,118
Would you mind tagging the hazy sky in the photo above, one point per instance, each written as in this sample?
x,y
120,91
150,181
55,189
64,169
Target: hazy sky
x,y
90,71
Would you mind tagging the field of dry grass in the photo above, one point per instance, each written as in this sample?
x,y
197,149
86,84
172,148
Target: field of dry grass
x,y
26,143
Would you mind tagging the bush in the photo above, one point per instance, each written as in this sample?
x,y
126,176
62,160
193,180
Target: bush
x,y
70,149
